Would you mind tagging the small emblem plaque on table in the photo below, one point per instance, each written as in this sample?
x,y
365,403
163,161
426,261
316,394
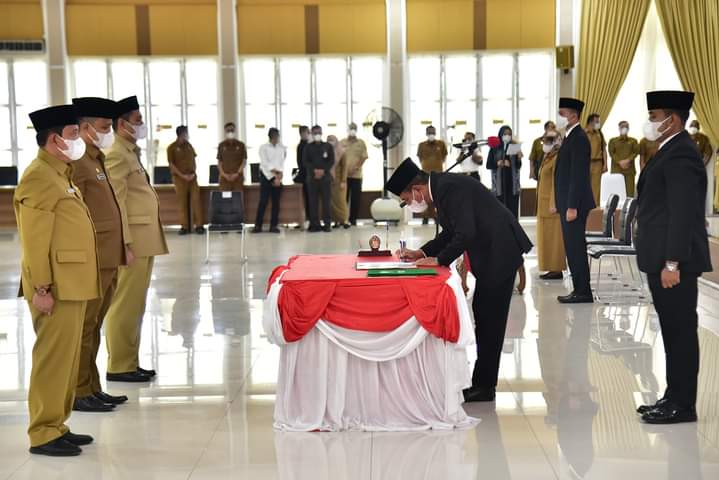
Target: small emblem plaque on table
x,y
375,242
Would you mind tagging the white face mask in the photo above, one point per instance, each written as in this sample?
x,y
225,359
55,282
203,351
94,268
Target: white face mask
x,y
75,149
317,137
140,131
693,130
597,126
506,138
431,137
417,207
623,131
104,140
547,147
562,122
229,135
651,129
352,133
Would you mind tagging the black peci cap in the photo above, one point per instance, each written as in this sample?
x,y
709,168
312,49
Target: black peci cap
x,y
403,176
95,107
53,117
126,105
573,103
670,100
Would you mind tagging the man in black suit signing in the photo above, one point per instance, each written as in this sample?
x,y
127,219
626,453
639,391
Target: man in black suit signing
x,y
573,196
673,248
473,221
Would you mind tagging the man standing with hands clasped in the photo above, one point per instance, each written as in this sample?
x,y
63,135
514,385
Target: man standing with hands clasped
x,y
673,249
473,222
573,196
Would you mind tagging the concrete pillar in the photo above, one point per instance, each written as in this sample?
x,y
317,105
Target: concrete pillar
x,y
228,92
396,77
55,42
568,30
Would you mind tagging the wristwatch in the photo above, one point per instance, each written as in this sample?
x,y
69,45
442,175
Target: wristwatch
x,y
42,291
671,266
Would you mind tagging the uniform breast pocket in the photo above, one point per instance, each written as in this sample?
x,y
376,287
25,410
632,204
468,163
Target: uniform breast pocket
x,y
139,219
103,226
71,256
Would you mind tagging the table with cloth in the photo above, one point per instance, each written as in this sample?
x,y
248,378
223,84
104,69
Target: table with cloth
x,y
360,353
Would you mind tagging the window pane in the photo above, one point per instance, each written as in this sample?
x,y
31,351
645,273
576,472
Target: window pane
x,y
4,85
292,117
332,119
201,78
461,118
422,114
203,127
424,75
165,82
461,75
331,80
5,143
5,158
31,83
25,130
128,79
367,79
259,81
497,76
535,75
90,78
295,81
532,115
495,113
164,121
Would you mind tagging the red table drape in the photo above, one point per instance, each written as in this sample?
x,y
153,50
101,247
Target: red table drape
x,y
329,287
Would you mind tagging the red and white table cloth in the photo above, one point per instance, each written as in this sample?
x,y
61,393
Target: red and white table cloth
x,y
359,353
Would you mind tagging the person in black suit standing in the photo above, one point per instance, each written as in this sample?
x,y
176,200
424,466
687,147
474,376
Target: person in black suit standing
x,y
473,221
673,248
573,196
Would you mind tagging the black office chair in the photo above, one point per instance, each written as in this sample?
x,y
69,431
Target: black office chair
x,y
607,219
255,172
626,219
226,215
214,175
8,176
162,176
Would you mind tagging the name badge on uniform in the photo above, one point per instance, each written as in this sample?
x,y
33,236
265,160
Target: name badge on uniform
x,y
324,155
101,177
71,191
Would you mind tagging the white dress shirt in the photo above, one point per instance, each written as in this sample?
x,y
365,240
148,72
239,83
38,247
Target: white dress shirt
x,y
272,158
569,130
667,140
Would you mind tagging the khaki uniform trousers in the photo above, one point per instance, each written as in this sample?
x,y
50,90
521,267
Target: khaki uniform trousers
x,y
55,361
123,322
595,171
88,379
184,190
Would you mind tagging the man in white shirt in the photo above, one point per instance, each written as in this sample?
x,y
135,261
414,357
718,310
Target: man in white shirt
x,y
471,159
272,165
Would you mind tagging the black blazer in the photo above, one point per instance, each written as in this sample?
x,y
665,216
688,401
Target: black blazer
x,y
670,217
572,181
474,221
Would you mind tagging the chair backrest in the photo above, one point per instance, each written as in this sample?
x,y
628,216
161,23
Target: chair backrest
x,y
608,216
255,172
626,220
613,184
8,176
161,176
214,175
226,208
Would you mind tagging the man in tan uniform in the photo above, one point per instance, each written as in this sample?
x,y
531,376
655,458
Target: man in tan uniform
x,y
144,239
355,154
702,141
89,174
432,154
537,153
231,159
59,275
623,151
181,158
647,150
598,164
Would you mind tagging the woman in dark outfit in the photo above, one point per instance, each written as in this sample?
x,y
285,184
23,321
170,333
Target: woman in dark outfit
x,y
505,180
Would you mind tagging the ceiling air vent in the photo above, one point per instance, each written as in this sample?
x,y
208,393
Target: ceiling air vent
x,y
22,46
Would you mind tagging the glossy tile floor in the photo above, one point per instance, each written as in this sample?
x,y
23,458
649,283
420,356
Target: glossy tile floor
x,y
571,379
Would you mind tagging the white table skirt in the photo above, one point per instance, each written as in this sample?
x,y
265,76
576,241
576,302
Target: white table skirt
x,y
339,379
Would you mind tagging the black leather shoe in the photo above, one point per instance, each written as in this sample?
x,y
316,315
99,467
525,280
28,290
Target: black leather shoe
x,y
642,409
200,230
669,413
149,373
91,404
78,439
346,226
327,229
111,399
132,377
57,448
425,221
552,276
576,298
256,230
183,231
274,230
314,229
479,394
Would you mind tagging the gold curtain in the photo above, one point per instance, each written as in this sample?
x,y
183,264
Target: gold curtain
x,y
610,32
691,28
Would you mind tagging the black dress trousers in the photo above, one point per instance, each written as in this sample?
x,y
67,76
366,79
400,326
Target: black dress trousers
x,y
268,191
575,245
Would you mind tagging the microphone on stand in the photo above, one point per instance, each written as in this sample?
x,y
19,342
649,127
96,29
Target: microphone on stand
x,y
491,142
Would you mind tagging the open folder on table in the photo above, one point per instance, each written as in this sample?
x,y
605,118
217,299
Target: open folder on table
x,y
384,265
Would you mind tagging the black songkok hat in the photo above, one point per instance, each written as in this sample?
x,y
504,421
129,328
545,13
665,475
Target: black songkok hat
x,y
95,107
126,105
402,176
670,100
573,103
52,117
